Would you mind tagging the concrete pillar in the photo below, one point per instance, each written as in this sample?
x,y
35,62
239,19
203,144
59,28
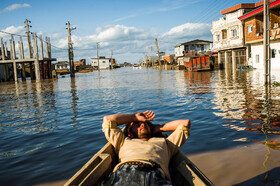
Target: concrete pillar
x,y
3,58
15,71
36,54
49,47
50,69
13,57
13,47
41,48
2,50
31,71
23,75
248,55
234,65
226,60
220,61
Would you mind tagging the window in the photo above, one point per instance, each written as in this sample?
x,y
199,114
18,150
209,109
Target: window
x,y
218,37
202,47
224,34
273,53
234,33
250,28
257,58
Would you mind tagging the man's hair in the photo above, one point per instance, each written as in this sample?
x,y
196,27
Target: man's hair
x,y
128,126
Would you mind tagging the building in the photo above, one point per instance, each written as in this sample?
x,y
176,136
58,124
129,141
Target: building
x,y
253,23
184,51
104,63
78,64
169,58
62,65
194,45
228,36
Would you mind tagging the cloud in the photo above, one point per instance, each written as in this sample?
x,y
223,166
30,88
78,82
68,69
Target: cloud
x,y
13,30
127,43
14,7
188,30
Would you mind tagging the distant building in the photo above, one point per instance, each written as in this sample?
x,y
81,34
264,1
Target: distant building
x,y
228,35
104,63
169,58
194,45
78,64
253,23
62,65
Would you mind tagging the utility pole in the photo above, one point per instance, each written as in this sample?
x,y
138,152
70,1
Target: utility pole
x,y
97,55
266,43
28,37
70,49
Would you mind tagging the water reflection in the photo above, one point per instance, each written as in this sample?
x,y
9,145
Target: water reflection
x,y
74,103
63,117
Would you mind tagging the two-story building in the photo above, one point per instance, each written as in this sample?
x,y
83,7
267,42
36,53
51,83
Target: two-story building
x,y
195,45
253,24
228,36
104,63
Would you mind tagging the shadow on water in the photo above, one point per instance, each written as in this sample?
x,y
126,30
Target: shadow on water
x,y
268,178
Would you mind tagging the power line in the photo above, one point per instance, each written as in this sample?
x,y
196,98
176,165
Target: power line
x,y
36,37
12,34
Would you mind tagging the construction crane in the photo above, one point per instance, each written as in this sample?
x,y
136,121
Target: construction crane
x,y
157,50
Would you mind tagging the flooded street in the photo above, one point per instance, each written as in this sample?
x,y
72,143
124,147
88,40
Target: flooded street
x,y
49,129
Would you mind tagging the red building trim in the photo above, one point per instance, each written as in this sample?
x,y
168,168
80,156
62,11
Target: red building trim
x,y
258,10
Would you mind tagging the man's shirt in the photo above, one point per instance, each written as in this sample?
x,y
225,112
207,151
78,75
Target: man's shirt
x,y
158,150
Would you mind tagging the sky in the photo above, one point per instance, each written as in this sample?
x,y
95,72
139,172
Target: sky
x,y
126,29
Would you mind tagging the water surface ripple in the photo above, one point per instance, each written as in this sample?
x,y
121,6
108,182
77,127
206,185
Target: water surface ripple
x,y
49,129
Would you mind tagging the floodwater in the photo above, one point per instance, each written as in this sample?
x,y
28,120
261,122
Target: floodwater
x,y
49,129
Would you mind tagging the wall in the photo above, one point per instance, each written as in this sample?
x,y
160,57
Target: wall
x,y
257,49
103,63
230,23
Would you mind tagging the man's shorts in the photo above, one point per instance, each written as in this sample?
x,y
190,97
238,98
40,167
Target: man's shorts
x,y
136,175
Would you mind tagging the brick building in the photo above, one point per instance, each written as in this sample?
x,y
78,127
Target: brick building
x,y
77,64
253,25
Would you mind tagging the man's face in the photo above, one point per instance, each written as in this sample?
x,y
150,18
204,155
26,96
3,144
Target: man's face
x,y
141,130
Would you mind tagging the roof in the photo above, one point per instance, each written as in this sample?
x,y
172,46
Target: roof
x,y
197,41
243,6
259,10
240,6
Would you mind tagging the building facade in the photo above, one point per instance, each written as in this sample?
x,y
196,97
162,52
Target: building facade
x,y
78,64
62,65
253,23
104,63
194,45
228,37
183,51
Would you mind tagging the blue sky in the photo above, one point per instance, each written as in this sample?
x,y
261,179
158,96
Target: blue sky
x,y
127,28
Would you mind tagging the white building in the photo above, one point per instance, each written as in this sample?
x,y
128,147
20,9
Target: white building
x,y
62,65
228,37
104,63
194,45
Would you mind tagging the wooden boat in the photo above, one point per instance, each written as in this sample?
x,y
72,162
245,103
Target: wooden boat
x,y
103,162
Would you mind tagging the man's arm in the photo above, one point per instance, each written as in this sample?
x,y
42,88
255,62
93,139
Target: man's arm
x,y
128,118
172,125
